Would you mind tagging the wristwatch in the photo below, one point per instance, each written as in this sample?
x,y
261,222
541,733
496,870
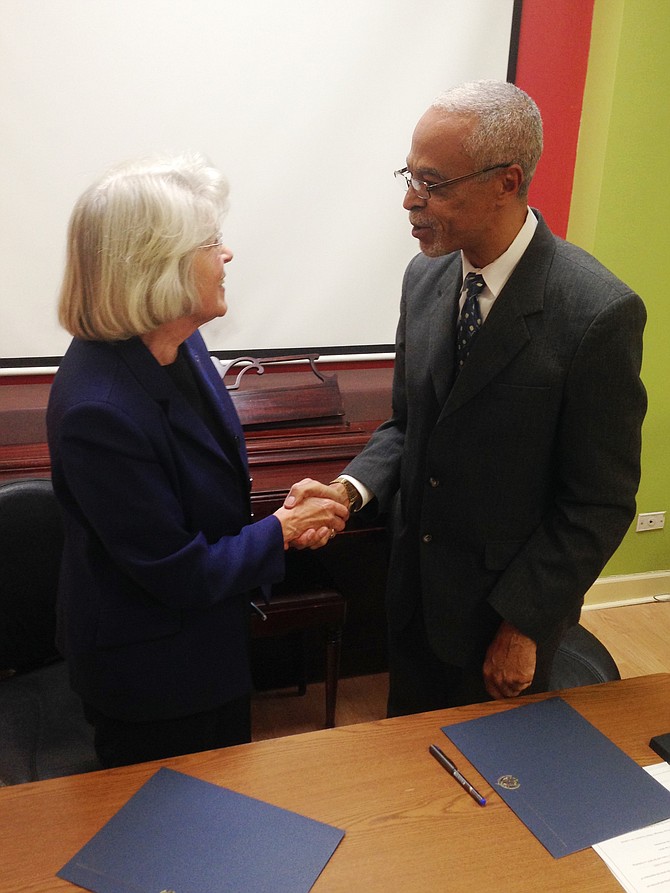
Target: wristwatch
x,y
354,497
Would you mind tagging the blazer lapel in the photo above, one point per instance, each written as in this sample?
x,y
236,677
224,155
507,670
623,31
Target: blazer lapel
x,y
505,331
182,417
217,392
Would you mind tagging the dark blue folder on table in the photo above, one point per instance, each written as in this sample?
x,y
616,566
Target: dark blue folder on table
x,y
569,784
178,833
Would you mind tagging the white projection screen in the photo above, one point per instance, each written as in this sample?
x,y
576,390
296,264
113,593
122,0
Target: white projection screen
x,y
306,105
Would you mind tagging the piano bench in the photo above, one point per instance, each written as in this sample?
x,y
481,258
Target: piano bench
x,y
298,609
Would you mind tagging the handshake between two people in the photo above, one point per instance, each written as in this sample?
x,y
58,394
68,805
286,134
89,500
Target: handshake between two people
x,y
312,514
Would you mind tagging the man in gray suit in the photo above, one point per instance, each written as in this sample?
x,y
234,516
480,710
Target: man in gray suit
x,y
509,474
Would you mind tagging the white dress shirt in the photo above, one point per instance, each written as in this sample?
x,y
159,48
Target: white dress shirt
x,y
496,274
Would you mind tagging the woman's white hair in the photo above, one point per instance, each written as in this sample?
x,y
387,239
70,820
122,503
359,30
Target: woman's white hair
x,y
508,125
131,242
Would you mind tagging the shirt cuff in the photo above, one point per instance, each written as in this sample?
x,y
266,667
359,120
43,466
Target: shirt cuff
x,y
366,494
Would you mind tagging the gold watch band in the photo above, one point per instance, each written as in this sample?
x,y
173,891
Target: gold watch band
x,y
354,497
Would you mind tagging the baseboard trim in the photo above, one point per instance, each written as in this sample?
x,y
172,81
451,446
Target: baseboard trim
x,y
629,589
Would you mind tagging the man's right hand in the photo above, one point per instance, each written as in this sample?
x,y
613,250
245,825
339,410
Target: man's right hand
x,y
309,487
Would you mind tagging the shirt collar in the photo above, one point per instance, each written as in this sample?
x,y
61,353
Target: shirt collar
x,y
498,272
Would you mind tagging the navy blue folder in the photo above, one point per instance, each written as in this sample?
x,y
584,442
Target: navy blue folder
x,y
569,784
178,833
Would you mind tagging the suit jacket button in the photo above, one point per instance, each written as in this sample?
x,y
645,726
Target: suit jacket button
x,y
427,538
434,482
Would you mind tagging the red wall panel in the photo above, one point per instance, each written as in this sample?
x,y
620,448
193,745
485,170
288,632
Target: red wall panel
x,y
552,61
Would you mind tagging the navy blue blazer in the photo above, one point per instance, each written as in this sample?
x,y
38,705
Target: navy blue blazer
x,y
160,554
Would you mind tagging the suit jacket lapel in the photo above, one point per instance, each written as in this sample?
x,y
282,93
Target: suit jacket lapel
x,y
442,336
505,331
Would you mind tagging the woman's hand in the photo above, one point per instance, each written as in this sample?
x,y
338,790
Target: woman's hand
x,y
312,521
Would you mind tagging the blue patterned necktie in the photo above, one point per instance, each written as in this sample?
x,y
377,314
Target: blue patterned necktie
x,y
470,321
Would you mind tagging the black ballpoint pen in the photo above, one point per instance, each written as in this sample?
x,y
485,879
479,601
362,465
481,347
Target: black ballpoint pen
x,y
447,764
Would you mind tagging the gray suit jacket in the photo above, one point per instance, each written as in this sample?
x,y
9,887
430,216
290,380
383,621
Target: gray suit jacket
x,y
510,487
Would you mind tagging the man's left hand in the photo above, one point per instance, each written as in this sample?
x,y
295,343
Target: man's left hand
x,y
510,663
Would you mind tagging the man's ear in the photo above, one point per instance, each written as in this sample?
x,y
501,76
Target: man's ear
x,y
511,180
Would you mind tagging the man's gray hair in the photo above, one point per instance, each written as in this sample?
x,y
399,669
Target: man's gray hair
x,y
508,128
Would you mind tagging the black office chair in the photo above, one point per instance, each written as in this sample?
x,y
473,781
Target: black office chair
x,y
43,733
582,659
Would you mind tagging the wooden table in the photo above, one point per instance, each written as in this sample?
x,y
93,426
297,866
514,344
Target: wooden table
x,y
409,827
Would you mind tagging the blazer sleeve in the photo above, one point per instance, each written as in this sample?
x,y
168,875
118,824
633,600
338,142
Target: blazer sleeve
x,y
378,466
597,473
179,531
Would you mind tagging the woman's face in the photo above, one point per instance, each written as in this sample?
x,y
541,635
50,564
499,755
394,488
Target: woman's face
x,y
208,275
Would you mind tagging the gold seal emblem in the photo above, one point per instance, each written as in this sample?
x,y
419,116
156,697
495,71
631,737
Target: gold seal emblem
x,y
509,782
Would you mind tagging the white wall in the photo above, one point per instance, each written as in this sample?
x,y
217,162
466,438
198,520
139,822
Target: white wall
x,y
306,105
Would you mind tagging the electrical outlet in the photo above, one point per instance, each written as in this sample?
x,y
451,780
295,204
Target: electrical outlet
x,y
650,521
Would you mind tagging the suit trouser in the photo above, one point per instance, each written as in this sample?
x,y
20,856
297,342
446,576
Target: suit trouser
x,y
419,681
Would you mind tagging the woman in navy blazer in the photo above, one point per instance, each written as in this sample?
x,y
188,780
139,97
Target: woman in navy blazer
x,y
161,556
